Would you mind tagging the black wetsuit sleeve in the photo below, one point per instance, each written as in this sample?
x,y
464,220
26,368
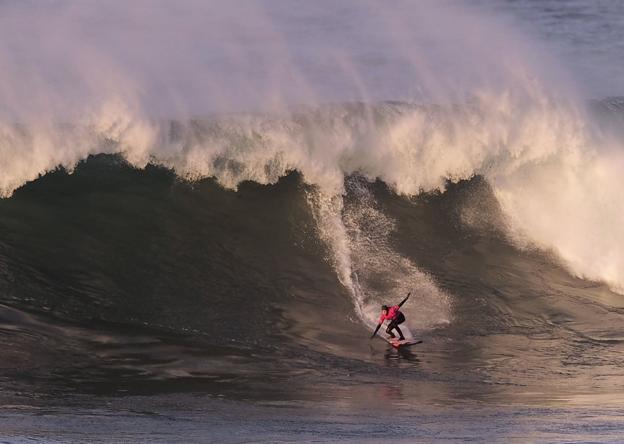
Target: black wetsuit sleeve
x,y
376,330
406,298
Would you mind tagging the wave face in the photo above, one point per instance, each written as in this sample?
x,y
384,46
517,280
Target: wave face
x,y
129,280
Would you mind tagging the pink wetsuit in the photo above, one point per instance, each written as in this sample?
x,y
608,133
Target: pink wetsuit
x,y
393,313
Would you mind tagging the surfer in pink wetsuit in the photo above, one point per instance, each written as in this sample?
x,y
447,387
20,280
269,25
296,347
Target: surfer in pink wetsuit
x,y
395,316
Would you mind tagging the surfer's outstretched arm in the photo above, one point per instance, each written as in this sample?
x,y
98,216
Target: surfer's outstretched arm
x,y
376,330
406,298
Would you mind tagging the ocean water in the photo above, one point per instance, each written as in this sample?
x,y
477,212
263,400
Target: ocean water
x,y
204,206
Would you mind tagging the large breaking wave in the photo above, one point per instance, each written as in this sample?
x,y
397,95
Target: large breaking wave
x,y
384,106
555,174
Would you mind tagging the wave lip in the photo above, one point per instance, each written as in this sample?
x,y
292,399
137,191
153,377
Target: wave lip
x,y
542,159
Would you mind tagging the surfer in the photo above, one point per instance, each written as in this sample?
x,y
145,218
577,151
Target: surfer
x,y
395,316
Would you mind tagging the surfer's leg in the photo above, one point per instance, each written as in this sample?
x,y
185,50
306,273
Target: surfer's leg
x,y
400,320
401,337
391,326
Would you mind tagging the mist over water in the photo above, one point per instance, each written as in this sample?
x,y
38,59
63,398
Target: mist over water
x,y
164,59
585,39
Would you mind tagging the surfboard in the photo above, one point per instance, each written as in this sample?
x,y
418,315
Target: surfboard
x,y
403,343
409,338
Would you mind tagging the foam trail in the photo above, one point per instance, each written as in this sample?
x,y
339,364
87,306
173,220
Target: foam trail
x,y
358,237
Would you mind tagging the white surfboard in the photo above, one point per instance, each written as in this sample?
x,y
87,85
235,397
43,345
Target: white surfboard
x,y
396,343
404,343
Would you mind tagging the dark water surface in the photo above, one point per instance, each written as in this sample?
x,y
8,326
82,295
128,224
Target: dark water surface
x,y
195,419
